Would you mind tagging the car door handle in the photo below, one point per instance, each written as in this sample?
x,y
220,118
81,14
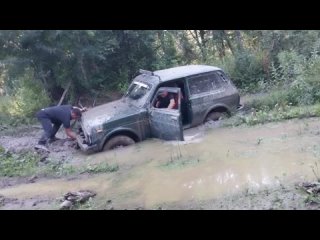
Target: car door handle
x,y
174,118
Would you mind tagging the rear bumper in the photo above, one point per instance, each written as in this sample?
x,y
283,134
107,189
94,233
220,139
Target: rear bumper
x,y
240,106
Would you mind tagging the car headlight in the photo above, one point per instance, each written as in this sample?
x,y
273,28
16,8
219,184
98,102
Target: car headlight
x,y
99,130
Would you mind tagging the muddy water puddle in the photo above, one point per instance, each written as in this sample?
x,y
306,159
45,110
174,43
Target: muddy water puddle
x,y
209,164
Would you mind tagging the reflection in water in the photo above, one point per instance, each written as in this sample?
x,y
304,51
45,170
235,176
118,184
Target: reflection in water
x,y
227,176
221,161
251,182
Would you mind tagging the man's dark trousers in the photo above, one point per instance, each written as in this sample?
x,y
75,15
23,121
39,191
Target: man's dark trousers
x,y
49,129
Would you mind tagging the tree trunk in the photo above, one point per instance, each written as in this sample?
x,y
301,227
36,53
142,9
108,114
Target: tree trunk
x,y
228,41
239,40
200,45
64,93
161,39
219,37
83,71
218,43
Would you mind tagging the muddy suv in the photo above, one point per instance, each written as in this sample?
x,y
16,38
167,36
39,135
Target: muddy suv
x,y
201,93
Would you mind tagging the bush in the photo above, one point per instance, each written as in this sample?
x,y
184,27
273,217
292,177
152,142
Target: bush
x,y
291,66
18,165
4,114
277,114
248,71
270,100
299,76
245,69
28,98
227,64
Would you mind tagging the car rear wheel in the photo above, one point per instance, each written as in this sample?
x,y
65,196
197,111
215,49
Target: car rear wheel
x,y
215,116
118,141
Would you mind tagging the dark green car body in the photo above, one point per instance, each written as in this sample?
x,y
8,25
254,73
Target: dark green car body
x,y
204,92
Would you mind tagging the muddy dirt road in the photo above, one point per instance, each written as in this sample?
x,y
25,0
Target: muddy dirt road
x,y
216,167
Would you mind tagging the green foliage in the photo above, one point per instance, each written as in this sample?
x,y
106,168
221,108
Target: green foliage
x,y
12,165
28,164
291,66
90,59
56,169
180,163
100,168
269,101
312,79
179,160
101,60
248,71
123,87
227,64
123,82
245,69
277,114
27,99
4,114
168,55
301,75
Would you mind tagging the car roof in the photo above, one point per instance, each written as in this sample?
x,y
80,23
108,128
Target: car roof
x,y
183,71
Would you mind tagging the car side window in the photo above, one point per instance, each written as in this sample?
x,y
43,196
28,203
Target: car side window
x,y
200,84
205,83
216,81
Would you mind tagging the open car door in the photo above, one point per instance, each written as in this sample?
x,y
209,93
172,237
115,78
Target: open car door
x,y
166,123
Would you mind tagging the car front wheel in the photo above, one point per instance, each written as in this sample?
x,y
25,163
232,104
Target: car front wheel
x,y
118,141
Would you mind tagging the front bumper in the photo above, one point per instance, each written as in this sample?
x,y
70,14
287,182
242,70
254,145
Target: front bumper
x,y
84,146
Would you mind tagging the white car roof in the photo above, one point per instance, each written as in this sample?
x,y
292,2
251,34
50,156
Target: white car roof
x,y
183,71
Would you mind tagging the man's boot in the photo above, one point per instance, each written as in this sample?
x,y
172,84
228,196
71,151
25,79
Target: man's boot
x,y
53,139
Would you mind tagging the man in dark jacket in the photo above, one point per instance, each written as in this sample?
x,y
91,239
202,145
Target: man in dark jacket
x,y
165,100
51,119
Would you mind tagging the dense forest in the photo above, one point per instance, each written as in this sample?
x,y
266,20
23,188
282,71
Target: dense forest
x,y
38,67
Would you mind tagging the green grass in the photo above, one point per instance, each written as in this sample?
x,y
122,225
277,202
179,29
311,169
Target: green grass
x,y
269,100
277,114
278,104
180,163
99,168
60,169
28,164
22,165
5,119
316,170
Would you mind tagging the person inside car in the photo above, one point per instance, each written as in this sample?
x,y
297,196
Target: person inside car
x,y
165,100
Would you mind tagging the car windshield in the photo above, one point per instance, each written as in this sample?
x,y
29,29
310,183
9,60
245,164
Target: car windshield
x,y
137,91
